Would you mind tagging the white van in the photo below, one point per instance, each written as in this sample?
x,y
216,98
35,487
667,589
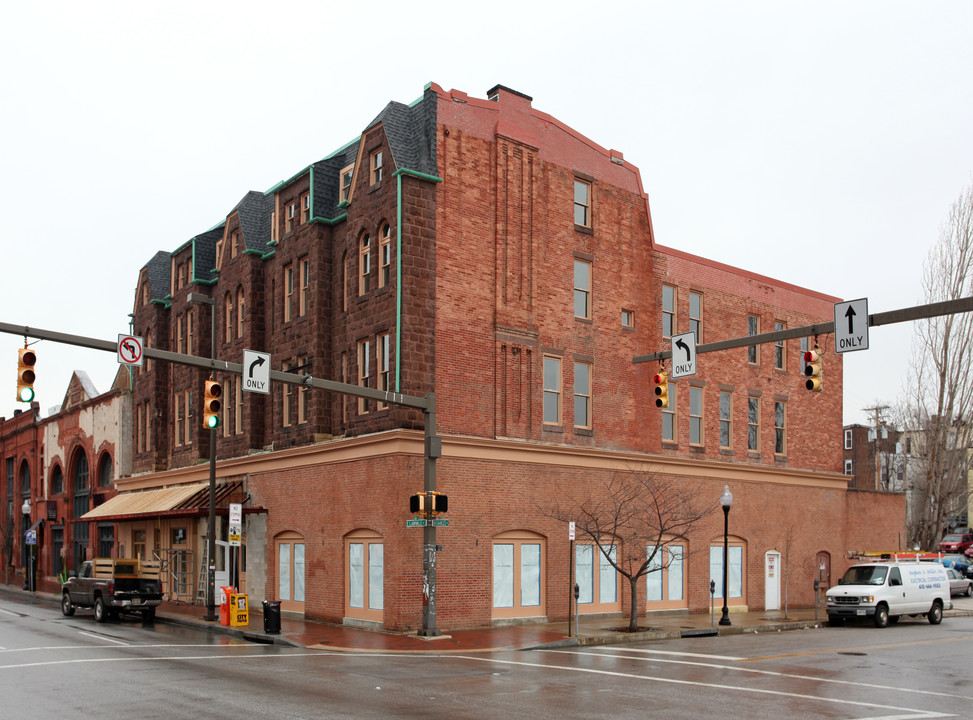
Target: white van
x,y
885,591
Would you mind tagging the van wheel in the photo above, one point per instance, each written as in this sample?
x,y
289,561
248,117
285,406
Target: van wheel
x,y
67,607
894,619
935,613
881,616
101,612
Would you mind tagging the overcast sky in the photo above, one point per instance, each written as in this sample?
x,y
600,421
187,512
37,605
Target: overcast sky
x,y
820,143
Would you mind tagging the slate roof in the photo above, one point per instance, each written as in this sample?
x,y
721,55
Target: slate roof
x,y
159,270
411,132
255,209
204,254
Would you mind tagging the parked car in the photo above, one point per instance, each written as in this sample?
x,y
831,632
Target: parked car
x,y
959,563
959,584
956,543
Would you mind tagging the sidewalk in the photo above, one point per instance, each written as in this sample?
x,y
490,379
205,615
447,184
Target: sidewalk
x,y
599,631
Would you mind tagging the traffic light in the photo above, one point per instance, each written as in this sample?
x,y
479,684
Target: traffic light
x,y
212,404
429,502
812,369
661,380
25,374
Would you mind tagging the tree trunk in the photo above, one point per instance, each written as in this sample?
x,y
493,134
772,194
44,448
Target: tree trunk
x,y
633,620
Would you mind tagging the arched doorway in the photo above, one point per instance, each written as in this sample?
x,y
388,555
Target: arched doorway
x,y
289,550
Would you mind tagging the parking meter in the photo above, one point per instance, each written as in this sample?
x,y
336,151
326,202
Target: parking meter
x,y
577,591
817,585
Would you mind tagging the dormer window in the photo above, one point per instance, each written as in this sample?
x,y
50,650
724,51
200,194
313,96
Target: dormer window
x,y
291,214
376,165
305,207
347,175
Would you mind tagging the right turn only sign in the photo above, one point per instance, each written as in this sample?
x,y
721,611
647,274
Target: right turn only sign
x,y
851,325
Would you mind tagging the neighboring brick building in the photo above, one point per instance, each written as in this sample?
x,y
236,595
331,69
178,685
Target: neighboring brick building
x,y
874,465
485,251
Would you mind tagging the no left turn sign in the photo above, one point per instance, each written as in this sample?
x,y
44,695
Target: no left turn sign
x,y
129,350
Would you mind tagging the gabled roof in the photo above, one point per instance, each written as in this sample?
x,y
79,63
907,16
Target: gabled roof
x,y
254,210
411,133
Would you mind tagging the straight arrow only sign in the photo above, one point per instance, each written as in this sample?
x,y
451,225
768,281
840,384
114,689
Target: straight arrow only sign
x,y
851,325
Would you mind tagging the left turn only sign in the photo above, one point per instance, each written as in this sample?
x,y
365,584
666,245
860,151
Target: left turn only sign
x,y
129,351
256,372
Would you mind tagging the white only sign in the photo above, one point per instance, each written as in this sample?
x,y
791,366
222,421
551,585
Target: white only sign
x,y
683,355
851,325
256,372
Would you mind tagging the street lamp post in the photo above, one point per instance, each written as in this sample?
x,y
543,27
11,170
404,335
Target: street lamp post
x,y
726,499
28,575
199,298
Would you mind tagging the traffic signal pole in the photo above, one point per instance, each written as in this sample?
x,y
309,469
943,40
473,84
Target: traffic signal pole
x,y
432,442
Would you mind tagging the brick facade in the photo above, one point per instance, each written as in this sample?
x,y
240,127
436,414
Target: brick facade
x,y
473,204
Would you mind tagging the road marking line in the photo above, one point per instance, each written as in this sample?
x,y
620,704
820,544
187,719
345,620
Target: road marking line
x,y
772,673
673,652
860,648
917,713
7,612
103,637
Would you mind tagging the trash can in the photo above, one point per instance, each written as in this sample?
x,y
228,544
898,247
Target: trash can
x,y
271,616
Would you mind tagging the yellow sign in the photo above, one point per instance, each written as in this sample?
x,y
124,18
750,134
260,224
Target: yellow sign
x,y
239,612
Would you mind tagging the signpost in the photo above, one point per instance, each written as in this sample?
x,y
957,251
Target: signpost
x,y
851,325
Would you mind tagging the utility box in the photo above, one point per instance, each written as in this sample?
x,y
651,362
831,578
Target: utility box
x,y
239,610
226,592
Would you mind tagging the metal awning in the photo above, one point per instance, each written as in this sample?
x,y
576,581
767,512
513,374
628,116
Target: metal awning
x,y
178,501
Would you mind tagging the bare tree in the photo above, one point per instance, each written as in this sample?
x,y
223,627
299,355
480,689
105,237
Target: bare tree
x,y
939,403
630,517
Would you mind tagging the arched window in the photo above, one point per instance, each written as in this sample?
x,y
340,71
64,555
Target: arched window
x,y
596,578
239,311
365,575
81,489
57,481
290,571
736,565
25,479
519,589
228,301
364,263
106,471
385,256
666,581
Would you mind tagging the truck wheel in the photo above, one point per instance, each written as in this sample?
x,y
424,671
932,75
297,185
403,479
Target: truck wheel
x,y
148,615
101,612
67,607
935,613
835,621
881,616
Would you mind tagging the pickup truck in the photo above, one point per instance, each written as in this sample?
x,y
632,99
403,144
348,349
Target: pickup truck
x,y
114,585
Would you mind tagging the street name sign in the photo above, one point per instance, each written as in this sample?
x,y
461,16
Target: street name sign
x,y
256,372
415,522
851,325
683,355
440,522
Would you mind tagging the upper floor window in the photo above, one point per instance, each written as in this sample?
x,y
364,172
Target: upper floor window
x,y
364,264
302,391
753,328
305,207
291,215
669,416
780,441
696,315
847,439
235,243
668,311
849,467
302,306
364,372
726,420
779,355
582,203
273,230
57,481
384,365
376,165
552,390
229,317
180,337
695,415
582,289
582,395
240,303
347,174
753,423
189,331
288,292
385,256
628,318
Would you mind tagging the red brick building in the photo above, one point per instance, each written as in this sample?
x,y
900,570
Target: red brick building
x,y
487,252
